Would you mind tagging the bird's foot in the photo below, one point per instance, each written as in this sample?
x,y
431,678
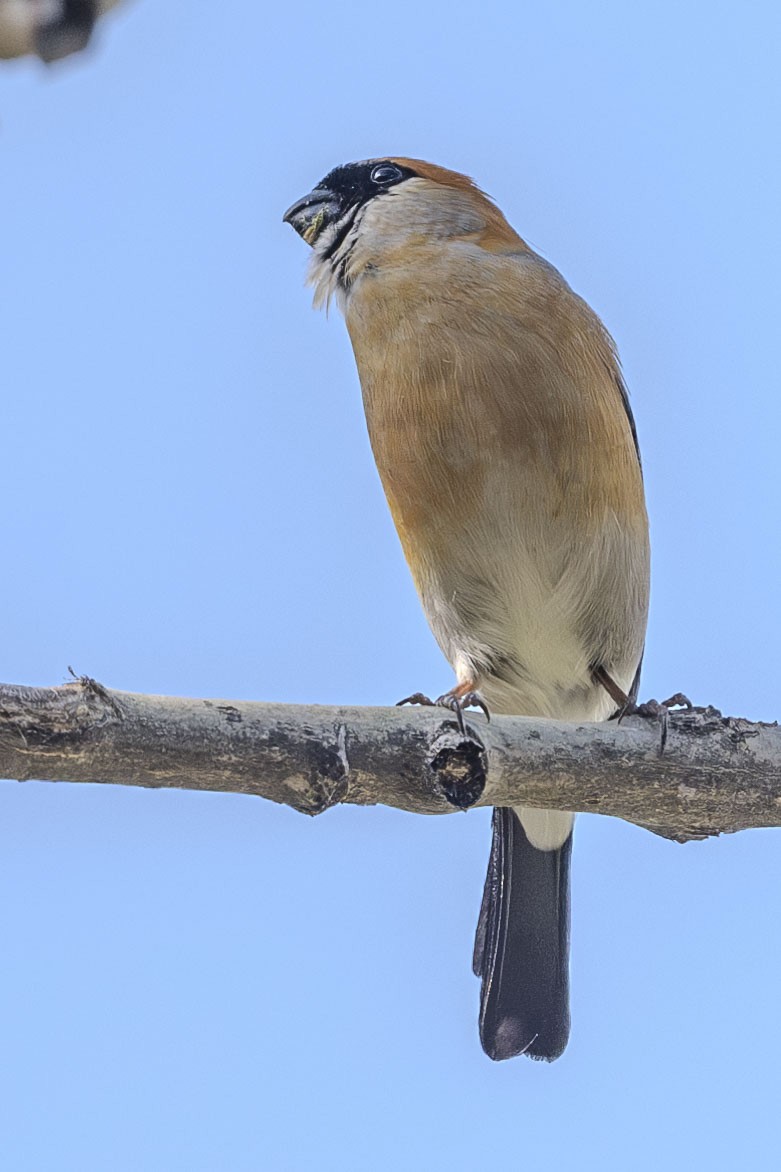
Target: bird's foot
x,y
455,701
656,710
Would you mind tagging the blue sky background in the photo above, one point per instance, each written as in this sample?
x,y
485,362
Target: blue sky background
x,y
209,982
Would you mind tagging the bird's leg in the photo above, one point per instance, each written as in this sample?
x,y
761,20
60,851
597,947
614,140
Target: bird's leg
x,y
456,700
649,709
461,697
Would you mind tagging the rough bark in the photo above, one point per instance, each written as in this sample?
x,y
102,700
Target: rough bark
x,y
717,774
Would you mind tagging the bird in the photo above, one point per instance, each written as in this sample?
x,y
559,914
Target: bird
x,y
49,29
502,431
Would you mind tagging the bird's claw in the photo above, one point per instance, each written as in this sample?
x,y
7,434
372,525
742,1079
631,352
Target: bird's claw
x,y
416,698
679,700
654,710
454,701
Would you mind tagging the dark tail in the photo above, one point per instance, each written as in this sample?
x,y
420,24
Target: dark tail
x,y
522,945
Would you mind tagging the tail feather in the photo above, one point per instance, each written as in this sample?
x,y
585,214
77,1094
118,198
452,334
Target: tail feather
x,y
522,945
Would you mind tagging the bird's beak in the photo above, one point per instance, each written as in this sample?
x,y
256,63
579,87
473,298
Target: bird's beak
x,y
313,213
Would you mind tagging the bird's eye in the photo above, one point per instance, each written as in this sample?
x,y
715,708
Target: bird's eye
x,y
385,173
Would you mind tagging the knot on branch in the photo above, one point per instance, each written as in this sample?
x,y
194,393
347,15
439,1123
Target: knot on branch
x,y
459,763
100,702
329,769
56,720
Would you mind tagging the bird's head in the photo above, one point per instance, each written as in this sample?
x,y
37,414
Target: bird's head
x,y
362,214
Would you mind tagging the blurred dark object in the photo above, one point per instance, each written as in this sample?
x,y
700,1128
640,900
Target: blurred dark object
x,y
49,29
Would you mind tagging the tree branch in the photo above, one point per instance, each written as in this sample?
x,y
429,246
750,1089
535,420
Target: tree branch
x,y
717,774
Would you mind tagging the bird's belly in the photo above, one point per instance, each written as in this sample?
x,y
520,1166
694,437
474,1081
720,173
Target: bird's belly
x,y
511,625
523,598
